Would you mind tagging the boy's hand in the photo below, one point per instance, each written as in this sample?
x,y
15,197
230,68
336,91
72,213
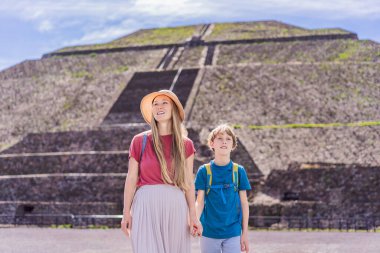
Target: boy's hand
x,y
244,243
196,228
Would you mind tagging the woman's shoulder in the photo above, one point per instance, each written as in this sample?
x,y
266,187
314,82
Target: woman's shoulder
x,y
188,143
139,136
187,139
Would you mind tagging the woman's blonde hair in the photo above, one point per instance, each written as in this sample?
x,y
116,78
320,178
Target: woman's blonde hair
x,y
223,128
180,177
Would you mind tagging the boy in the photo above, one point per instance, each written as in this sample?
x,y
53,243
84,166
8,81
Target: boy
x,y
222,198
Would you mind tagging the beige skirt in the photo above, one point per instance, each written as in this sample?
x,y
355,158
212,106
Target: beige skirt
x,y
160,220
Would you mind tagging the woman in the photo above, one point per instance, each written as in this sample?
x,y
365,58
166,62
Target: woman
x,y
156,217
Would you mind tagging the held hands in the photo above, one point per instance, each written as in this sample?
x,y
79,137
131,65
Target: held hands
x,y
196,228
126,224
244,243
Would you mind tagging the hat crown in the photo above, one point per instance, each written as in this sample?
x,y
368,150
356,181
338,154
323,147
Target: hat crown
x,y
147,101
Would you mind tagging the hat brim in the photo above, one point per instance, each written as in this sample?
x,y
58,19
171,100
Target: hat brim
x,y
147,101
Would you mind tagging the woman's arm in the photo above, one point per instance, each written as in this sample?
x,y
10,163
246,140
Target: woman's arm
x,y
129,192
244,242
200,203
195,226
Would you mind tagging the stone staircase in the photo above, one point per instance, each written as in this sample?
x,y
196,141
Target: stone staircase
x,y
321,191
127,107
55,175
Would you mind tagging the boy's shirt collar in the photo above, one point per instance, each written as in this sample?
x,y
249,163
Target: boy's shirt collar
x,y
227,166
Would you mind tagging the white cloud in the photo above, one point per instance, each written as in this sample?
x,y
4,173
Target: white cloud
x,y
184,8
98,19
114,9
45,26
105,34
73,22
328,9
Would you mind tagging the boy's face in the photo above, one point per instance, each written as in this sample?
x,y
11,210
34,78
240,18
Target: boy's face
x,y
222,144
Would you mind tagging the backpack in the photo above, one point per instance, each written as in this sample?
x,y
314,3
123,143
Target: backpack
x,y
235,180
143,145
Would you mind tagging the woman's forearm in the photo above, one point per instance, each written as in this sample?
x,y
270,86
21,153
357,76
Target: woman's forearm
x,y
130,185
129,192
190,192
190,199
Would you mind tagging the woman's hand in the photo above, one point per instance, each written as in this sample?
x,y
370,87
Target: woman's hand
x,y
129,192
244,243
196,228
126,224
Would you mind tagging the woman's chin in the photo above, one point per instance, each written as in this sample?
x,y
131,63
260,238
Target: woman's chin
x,y
161,119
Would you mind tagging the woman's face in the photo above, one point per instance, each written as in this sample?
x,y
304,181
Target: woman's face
x,y
162,108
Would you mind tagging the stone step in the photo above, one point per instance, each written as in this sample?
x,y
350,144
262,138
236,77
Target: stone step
x,y
102,139
20,208
64,162
69,187
331,184
127,107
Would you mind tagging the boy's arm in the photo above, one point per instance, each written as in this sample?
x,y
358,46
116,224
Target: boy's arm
x,y
244,242
199,205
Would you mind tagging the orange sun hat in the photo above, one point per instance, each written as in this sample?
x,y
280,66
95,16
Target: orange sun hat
x,y
147,101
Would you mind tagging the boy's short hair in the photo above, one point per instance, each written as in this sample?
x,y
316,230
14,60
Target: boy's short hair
x,y
223,128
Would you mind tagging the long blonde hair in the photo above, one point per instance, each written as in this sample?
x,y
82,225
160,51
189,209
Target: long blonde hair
x,y
180,178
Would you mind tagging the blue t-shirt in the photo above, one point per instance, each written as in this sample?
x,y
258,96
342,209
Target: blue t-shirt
x,y
221,220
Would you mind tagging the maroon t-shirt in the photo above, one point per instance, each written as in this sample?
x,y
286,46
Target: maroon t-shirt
x,y
150,169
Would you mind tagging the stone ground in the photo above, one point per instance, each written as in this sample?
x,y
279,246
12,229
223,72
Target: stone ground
x,y
41,240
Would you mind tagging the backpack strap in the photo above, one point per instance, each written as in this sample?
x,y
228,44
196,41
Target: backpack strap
x,y
145,137
235,181
235,176
209,177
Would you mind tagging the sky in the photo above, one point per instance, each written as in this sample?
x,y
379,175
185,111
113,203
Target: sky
x,y
31,28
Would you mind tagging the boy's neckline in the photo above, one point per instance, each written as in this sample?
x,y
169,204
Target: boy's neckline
x,y
220,166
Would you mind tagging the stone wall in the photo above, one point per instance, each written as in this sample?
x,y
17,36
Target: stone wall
x,y
73,188
322,190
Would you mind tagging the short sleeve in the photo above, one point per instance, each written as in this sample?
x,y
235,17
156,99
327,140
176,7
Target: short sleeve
x,y
135,148
200,179
243,180
189,147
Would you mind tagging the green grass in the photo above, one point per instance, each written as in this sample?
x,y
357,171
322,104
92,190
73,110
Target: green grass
x,y
313,230
62,226
167,35
160,36
313,125
344,56
98,227
352,48
263,30
81,74
67,105
86,227
122,69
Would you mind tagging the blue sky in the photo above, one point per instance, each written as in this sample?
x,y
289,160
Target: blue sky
x,y
30,28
